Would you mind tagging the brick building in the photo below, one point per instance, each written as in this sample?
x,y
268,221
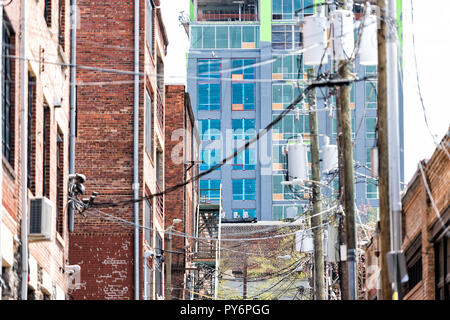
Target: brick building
x,y
112,264
35,149
425,236
182,141
426,221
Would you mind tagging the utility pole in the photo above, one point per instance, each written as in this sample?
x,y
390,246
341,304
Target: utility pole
x,y
394,145
349,180
316,219
383,163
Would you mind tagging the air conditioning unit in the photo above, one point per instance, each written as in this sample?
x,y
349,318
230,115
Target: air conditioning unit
x,y
41,219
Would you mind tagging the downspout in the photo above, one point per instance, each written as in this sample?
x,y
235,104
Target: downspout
x,y
73,100
1,166
23,147
136,150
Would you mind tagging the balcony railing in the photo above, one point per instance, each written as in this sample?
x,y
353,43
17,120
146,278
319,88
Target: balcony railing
x,y
160,110
212,36
227,17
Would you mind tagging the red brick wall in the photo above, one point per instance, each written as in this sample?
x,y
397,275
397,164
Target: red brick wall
x,y
105,146
179,203
51,255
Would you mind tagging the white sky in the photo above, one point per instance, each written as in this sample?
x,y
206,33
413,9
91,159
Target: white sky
x,y
431,27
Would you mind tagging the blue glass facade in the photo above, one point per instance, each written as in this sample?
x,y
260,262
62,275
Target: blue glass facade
x,y
243,84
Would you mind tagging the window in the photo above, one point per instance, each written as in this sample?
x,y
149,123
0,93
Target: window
x,y
279,211
46,153
224,37
31,137
60,183
279,161
371,94
8,112
209,129
244,213
287,67
48,12
159,265
413,256
285,9
149,26
281,192
209,190
371,128
245,160
442,267
371,189
244,189
210,158
148,124
62,21
290,127
159,168
148,223
284,94
243,129
243,91
286,37
209,84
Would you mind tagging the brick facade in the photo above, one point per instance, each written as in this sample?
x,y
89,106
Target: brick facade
x,y
50,81
181,146
104,147
421,228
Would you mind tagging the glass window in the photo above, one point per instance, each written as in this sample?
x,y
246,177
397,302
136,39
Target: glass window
x,y
209,129
245,160
371,189
209,84
371,94
243,129
244,213
222,37
244,189
235,37
279,212
243,92
286,37
210,157
371,127
148,124
209,190
290,126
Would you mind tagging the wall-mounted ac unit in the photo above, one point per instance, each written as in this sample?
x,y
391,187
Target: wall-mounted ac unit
x,y
41,219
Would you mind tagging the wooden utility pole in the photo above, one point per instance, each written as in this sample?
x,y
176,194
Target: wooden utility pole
x,y
349,180
383,154
316,219
343,276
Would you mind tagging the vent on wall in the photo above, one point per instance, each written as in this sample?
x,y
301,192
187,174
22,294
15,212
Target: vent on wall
x,y
41,219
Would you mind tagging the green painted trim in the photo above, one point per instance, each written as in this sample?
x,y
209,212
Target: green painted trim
x,y
400,28
191,2
266,21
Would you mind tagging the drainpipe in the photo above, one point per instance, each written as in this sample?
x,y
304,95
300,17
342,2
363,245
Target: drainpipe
x,y
1,166
23,76
136,150
73,100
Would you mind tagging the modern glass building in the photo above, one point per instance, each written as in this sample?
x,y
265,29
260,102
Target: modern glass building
x,y
244,69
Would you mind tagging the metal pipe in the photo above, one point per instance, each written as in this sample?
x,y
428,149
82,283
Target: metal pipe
x,y
73,100
393,133
23,147
136,150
